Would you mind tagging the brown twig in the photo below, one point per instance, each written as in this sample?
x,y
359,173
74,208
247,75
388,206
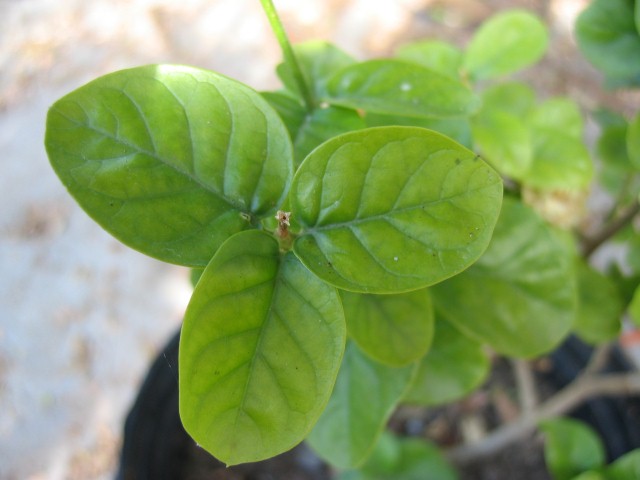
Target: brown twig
x,y
587,386
590,245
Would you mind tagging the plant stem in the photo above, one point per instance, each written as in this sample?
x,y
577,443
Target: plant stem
x,y
585,387
288,54
526,385
590,245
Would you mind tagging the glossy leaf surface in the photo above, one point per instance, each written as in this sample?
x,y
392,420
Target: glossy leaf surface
x,y
260,350
521,296
571,448
392,329
393,209
398,87
600,307
171,160
454,366
506,43
363,399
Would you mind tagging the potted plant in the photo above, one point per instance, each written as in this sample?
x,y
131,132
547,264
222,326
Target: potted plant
x,y
352,253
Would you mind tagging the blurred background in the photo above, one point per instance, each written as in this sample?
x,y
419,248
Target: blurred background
x,y
81,316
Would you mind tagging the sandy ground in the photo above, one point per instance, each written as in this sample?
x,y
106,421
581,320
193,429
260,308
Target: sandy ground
x,y
80,314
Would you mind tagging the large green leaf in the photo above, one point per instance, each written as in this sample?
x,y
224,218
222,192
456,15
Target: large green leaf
x,y
607,36
571,448
393,329
260,350
364,398
521,296
458,129
441,57
454,366
506,43
171,160
403,459
393,209
398,87
600,307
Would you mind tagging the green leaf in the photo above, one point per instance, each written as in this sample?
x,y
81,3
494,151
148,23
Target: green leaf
x,y
626,467
637,16
512,97
170,160
599,308
454,367
363,399
590,475
608,38
571,447
395,330
633,142
506,43
634,307
559,114
521,296
397,87
319,60
403,459
441,57
290,109
260,350
615,164
393,209
458,129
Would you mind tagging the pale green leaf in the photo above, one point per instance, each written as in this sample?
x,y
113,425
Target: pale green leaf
x,y
634,307
441,57
458,129
571,447
397,87
599,308
260,350
393,209
559,114
392,329
607,36
521,296
454,367
633,142
512,97
590,475
363,399
171,160
626,467
506,43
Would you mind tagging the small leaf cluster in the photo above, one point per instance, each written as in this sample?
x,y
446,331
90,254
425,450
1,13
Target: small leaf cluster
x,y
352,251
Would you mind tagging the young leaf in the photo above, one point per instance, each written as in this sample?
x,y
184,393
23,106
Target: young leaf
x,y
521,296
608,38
625,467
454,366
393,209
403,459
171,160
364,398
441,57
506,43
395,330
397,87
260,350
599,308
571,448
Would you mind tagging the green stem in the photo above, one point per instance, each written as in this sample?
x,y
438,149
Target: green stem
x,y
287,52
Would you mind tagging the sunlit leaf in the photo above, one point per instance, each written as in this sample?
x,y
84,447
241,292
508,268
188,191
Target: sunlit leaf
x,y
397,87
441,57
260,350
506,43
393,209
513,97
392,329
363,399
521,296
571,447
454,366
170,160
560,114
458,129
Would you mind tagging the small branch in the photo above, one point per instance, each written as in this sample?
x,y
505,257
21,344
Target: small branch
x,y
598,359
526,384
287,52
571,396
590,245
